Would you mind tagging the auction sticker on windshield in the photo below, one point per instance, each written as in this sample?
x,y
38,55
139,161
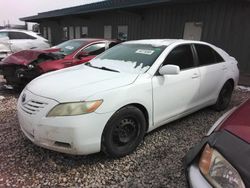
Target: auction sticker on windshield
x,y
146,52
69,47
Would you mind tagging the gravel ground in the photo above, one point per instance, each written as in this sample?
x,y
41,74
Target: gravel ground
x,y
156,163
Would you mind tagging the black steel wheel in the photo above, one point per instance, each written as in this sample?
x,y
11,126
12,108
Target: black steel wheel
x,y
224,97
123,132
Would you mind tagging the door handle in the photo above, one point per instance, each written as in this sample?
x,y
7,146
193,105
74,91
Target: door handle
x,y
195,75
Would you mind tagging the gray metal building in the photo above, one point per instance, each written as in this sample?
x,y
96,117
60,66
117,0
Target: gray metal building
x,y
224,23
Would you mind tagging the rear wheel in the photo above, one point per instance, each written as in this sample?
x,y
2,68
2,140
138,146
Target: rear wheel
x,y
123,132
224,97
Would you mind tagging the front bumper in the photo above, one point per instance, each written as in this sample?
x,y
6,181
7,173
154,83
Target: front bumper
x,y
195,178
77,135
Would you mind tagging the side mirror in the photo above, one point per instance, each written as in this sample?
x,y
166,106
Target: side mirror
x,y
169,70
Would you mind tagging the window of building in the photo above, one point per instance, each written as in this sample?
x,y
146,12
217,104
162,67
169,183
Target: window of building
x,y
107,31
45,32
193,31
77,32
71,32
181,56
19,35
122,32
49,34
84,32
95,49
207,55
65,33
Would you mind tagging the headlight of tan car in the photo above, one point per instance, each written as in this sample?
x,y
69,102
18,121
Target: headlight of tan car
x,y
74,108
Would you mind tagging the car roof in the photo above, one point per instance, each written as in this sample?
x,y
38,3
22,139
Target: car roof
x,y
17,30
92,40
163,42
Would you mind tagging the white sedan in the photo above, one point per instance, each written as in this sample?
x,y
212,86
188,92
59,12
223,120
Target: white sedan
x,y
110,103
15,40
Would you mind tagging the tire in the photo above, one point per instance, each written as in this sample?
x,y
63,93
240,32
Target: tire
x,y
123,132
224,97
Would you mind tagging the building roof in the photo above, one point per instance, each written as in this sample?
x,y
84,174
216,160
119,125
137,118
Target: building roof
x,y
98,7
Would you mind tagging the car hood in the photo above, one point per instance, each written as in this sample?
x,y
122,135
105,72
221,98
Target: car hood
x,y
78,83
238,123
26,57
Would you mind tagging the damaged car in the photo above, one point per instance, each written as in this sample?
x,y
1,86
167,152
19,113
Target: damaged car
x,y
20,68
111,102
221,159
15,40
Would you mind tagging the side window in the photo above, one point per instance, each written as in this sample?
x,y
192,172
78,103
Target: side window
x,y
207,55
19,35
95,49
181,56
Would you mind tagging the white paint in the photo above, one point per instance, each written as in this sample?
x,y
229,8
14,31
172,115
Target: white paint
x,y
17,45
166,98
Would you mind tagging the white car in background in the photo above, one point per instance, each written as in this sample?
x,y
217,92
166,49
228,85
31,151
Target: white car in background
x,y
14,40
110,103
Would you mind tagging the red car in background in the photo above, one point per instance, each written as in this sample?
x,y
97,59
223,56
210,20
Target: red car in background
x,y
21,67
221,159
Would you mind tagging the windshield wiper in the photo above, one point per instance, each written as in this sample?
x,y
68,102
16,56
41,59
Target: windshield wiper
x,y
102,68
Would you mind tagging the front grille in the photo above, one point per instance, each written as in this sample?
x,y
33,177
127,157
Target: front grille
x,y
32,107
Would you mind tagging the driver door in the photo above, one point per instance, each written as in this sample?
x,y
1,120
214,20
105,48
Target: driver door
x,y
176,94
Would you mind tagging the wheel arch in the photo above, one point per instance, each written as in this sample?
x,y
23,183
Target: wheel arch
x,y
231,81
144,110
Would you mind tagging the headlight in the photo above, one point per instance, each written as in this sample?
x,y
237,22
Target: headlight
x,y
73,109
30,66
218,171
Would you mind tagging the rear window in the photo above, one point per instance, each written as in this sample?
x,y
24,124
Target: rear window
x,y
207,55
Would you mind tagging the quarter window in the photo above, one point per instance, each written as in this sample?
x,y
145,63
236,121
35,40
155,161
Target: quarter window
x,y
181,56
207,55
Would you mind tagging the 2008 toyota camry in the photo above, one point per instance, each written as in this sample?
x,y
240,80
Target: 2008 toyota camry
x,y
110,103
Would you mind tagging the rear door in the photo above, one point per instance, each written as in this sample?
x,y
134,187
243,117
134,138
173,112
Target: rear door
x,y
176,94
213,69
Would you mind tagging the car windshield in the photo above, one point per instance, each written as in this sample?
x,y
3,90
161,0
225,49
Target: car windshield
x,y
128,58
70,46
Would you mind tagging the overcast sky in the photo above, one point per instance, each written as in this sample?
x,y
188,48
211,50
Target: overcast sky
x,y
12,10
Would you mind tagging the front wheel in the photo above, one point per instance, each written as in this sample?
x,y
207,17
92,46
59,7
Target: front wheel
x,y
224,97
123,132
